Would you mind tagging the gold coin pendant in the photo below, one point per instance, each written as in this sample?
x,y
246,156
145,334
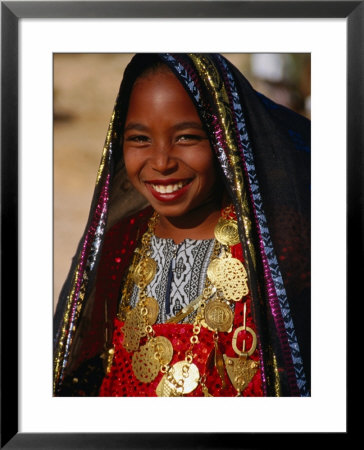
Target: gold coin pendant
x,y
186,375
153,310
227,232
163,350
213,271
218,316
145,272
183,379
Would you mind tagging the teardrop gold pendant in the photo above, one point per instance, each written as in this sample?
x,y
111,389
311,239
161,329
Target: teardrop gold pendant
x,y
241,371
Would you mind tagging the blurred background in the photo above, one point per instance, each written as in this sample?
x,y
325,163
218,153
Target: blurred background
x,y
85,89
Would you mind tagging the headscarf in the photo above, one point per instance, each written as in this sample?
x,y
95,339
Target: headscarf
x,y
263,151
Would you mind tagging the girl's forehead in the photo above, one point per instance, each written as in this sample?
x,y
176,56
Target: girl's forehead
x,y
162,76
157,67
159,89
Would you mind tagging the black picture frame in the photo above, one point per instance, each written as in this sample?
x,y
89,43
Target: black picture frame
x,y
11,12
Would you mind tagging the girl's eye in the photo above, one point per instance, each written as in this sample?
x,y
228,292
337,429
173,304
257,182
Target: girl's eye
x,y
139,139
189,138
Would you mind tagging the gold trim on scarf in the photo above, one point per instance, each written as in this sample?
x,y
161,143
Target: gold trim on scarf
x,y
59,353
277,384
66,329
106,147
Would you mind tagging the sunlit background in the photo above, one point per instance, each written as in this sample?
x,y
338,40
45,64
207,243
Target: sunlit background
x,y
85,88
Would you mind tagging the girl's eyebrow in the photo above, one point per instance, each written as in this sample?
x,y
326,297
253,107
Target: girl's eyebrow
x,y
177,127
135,126
184,125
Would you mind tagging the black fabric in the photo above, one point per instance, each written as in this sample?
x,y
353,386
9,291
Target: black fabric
x,y
281,143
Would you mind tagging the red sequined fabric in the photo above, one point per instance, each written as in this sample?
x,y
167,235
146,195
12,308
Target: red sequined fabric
x,y
120,242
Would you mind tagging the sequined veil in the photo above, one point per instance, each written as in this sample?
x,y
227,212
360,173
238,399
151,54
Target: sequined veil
x,y
263,150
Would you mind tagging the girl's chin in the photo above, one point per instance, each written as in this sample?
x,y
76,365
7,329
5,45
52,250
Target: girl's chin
x,y
189,210
170,210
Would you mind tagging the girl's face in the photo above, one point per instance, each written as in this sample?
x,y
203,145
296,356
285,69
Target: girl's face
x,y
167,153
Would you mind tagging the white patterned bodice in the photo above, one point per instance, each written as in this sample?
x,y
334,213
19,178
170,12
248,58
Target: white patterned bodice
x,y
181,274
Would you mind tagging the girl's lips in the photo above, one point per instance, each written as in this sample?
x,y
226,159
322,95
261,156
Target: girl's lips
x,y
167,181
168,190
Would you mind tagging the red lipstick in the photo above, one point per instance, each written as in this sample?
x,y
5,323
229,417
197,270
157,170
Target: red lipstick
x,y
166,182
168,196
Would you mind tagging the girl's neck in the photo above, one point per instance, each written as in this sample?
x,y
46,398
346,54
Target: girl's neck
x,y
197,224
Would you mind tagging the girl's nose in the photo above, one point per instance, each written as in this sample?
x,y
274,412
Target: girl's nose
x,y
162,160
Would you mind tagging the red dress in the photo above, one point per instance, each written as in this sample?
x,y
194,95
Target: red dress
x,y
121,381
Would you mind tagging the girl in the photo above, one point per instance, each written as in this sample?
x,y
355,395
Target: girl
x,y
192,277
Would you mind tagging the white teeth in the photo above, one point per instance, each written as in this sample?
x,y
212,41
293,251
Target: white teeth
x,y
162,189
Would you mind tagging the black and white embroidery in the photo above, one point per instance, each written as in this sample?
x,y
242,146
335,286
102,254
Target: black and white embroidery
x,y
180,276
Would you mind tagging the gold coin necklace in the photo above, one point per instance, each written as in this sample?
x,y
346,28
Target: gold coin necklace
x,y
226,282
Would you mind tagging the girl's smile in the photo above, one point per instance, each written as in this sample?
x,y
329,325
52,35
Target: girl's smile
x,y
168,190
